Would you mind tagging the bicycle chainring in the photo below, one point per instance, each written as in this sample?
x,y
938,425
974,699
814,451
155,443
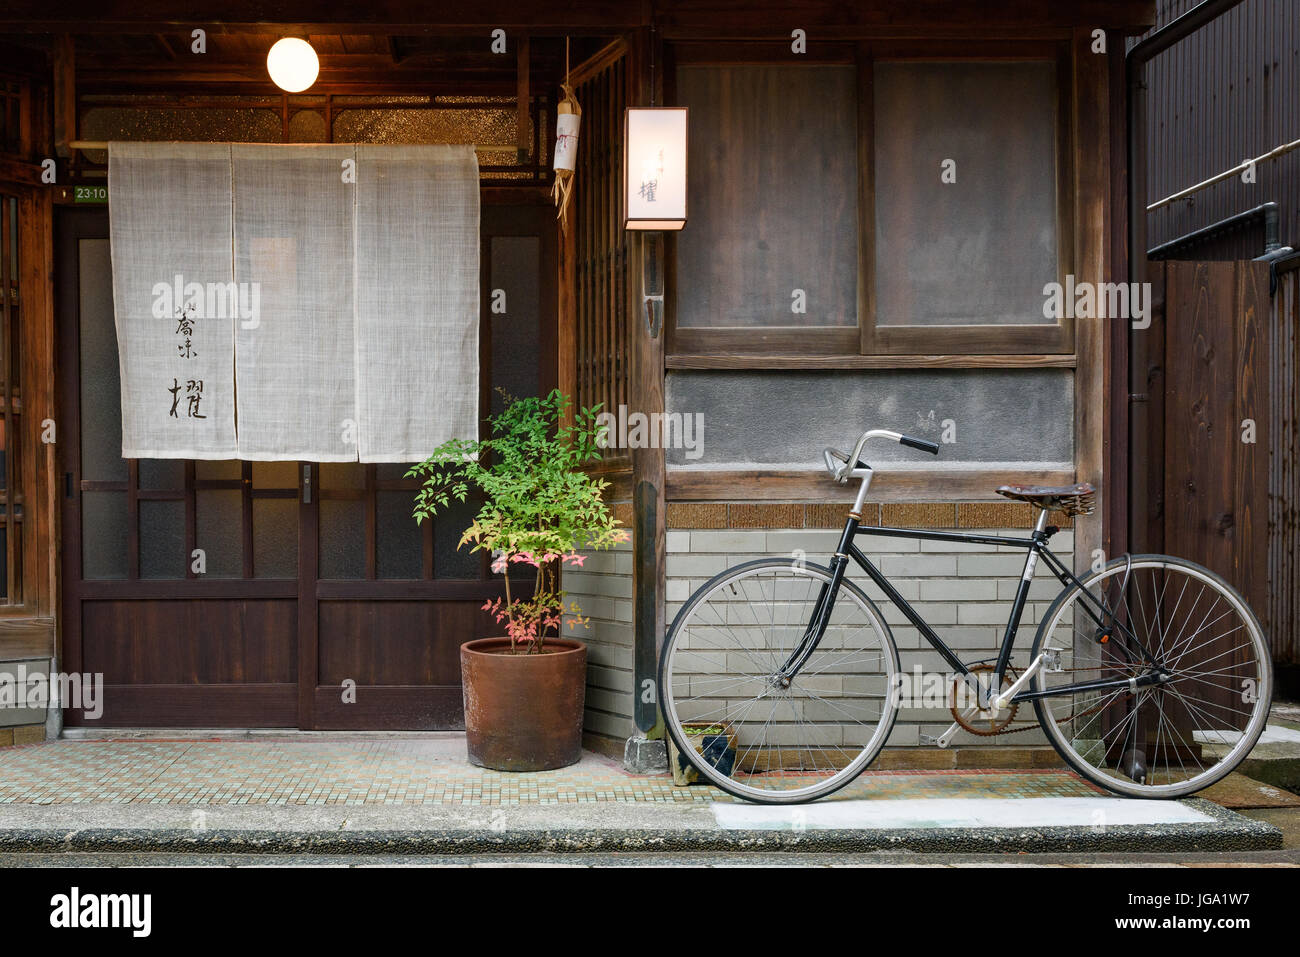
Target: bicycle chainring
x,y
984,723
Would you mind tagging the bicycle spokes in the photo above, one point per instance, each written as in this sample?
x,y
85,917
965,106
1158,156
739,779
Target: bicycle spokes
x,y
1188,670
796,735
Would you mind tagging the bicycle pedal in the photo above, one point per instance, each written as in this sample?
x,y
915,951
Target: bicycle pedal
x,y
943,740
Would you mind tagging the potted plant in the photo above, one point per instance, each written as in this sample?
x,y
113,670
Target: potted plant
x,y
524,691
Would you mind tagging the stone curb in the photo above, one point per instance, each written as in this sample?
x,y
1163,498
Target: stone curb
x,y
286,831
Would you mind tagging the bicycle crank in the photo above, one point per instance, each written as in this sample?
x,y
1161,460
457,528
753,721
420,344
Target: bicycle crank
x,y
985,722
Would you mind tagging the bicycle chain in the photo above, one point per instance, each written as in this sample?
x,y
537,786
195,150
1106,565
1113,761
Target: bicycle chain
x,y
1004,727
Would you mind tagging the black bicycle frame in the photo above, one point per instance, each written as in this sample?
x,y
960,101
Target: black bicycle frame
x,y
1035,545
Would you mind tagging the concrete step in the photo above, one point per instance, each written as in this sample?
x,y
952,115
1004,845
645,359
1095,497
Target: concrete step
x,y
971,825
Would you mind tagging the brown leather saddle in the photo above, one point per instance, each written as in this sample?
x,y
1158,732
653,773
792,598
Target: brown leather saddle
x,y
1078,499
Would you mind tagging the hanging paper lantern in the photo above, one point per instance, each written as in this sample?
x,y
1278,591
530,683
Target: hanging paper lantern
x,y
568,116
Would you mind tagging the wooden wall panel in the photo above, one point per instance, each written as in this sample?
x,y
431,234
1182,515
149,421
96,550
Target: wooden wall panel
x,y
1201,406
1216,357
1250,460
190,642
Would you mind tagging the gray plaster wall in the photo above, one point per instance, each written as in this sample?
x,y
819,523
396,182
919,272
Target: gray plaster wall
x,y
1002,417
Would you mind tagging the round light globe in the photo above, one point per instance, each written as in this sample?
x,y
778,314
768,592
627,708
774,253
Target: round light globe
x,y
292,64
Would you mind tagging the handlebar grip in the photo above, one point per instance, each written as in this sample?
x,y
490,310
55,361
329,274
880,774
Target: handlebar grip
x,y
925,445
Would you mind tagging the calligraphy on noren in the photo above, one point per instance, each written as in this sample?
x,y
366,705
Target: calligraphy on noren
x,y
187,395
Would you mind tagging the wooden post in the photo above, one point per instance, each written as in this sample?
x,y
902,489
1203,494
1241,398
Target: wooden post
x,y
645,395
36,332
523,102
65,94
1091,158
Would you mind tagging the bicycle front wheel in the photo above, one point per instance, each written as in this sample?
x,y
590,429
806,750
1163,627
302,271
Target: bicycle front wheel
x,y
1165,619
742,727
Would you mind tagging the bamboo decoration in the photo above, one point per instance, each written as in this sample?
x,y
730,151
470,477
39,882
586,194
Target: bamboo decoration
x,y
568,116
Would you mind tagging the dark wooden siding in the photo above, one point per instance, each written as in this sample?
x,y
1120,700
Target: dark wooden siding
x,y
1284,470
1212,495
1227,93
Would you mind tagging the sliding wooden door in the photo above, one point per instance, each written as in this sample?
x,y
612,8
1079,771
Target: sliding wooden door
x,y
272,594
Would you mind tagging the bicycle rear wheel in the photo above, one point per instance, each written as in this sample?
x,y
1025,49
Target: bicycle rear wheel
x,y
1174,619
741,728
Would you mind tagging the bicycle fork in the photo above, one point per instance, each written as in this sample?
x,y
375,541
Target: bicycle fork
x,y
830,590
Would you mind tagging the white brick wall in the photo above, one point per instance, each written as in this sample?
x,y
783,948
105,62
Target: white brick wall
x,y
602,587
963,590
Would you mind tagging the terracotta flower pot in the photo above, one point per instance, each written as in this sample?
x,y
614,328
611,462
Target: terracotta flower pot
x,y
523,712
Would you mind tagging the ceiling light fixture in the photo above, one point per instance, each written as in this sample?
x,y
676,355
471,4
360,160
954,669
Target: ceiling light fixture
x,y
292,64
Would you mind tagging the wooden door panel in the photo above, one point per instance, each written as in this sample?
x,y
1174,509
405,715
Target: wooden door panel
x,y
191,641
196,706
191,662
397,642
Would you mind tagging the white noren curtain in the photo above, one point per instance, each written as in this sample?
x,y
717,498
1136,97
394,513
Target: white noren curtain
x,y
170,240
417,299
278,302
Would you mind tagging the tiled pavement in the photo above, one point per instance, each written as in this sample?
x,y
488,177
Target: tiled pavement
x,y
404,771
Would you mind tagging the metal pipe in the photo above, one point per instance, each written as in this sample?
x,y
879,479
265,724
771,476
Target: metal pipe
x,y
1226,174
1134,66
1266,211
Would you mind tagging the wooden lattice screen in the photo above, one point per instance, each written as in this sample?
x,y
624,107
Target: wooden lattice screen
x,y
601,245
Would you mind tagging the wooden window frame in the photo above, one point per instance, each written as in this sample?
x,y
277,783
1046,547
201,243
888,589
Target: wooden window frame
x,y
866,345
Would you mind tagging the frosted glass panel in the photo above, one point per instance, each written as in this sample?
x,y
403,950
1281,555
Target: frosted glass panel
x,y
208,470
342,539
399,540
103,534
342,475
772,197
101,391
162,473
977,250
515,265
275,538
218,531
162,539
275,475
448,526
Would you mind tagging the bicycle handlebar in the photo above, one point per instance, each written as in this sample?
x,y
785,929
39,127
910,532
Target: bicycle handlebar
x,y
853,463
925,445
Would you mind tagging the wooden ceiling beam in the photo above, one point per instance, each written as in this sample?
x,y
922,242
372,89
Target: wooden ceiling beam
x,y
851,21
431,84
90,60
591,17
379,17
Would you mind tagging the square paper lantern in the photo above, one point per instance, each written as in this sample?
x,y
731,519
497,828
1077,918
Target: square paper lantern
x,y
654,167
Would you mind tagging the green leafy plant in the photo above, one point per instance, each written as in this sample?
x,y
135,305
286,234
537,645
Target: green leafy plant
x,y
539,505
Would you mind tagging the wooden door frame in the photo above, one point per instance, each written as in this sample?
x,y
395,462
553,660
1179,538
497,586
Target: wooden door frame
x,y
313,708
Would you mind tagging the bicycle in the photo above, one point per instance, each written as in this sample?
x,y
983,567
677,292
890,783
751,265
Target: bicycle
x,y
1149,676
